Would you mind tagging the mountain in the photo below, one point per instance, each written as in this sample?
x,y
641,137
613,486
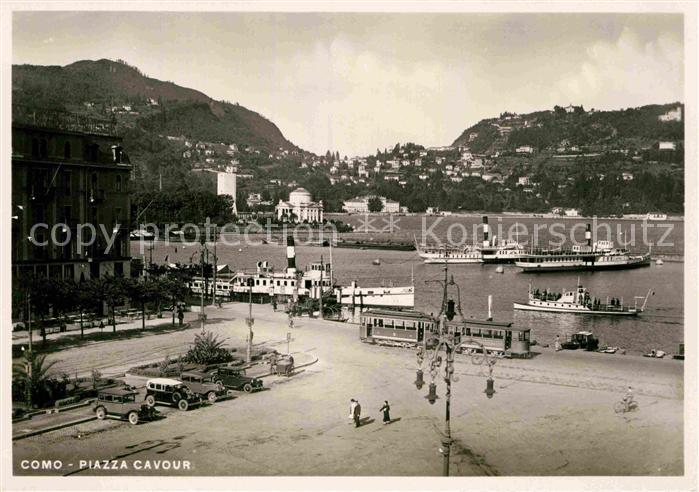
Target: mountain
x,y
155,106
571,127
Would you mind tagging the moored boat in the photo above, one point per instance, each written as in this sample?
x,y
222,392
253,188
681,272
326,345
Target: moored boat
x,y
579,301
602,255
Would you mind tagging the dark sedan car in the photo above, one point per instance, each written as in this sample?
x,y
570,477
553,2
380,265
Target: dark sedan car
x,y
235,378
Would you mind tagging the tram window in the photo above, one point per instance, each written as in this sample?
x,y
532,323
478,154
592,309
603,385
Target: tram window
x,y
476,333
381,323
498,334
468,332
487,333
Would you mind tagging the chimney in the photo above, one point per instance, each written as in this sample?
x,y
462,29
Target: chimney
x,y
290,254
588,235
486,232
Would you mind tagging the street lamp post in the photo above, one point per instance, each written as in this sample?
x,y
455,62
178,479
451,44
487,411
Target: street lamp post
x,y
202,315
439,350
249,321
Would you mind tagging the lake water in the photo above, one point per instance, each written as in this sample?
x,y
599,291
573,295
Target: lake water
x,y
664,237
660,327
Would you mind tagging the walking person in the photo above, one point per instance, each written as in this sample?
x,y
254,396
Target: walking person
x,y
386,408
357,413
353,403
628,399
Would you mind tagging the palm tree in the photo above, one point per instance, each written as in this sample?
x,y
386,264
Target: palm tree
x,y
208,349
32,373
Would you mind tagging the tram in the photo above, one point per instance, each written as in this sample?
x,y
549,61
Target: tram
x,y
498,337
413,328
388,326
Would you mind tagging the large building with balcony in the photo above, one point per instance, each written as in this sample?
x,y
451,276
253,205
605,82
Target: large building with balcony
x,y
69,174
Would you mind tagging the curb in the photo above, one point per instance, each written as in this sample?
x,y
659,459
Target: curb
x,y
52,410
53,428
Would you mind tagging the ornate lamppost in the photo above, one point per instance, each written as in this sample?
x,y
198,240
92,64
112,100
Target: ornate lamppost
x,y
438,351
250,321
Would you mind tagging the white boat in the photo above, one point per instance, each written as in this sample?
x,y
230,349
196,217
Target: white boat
x,y
141,234
368,297
656,216
579,301
602,255
443,254
490,251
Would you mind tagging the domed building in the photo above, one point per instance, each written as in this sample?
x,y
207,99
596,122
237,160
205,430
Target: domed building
x,y
300,207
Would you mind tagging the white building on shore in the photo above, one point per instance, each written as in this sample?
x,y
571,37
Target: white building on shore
x,y
360,205
300,207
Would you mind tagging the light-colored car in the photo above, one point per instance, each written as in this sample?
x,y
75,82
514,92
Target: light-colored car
x,y
170,392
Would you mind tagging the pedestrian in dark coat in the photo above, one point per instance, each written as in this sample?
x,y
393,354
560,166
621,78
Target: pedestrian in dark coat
x,y
357,413
386,408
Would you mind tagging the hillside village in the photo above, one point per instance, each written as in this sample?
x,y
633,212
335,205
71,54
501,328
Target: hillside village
x,y
561,159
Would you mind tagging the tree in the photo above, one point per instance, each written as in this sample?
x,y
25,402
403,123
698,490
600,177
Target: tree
x,y
113,291
32,375
84,301
375,204
142,291
174,287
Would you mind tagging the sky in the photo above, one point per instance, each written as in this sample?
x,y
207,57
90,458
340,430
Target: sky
x,y
358,82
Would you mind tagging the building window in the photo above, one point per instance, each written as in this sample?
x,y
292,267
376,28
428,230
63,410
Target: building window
x,y
92,152
66,182
66,150
118,183
43,148
35,147
93,181
118,269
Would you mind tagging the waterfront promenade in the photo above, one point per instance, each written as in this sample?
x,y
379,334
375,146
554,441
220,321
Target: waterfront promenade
x,y
551,415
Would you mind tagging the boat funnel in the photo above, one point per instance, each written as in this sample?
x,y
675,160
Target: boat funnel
x,y
490,308
290,254
588,235
486,232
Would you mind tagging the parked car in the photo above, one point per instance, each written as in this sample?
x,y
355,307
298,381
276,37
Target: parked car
x,y
121,403
170,392
235,378
203,385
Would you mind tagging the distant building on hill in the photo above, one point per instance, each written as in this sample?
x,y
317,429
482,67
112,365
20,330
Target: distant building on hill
x,y
226,185
300,207
672,115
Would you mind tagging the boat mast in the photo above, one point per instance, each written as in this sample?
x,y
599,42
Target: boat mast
x,y
331,262
643,308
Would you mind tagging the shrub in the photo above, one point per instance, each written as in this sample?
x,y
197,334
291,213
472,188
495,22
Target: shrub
x,y
208,349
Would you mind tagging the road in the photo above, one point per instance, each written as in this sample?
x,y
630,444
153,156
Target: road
x,y
551,415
